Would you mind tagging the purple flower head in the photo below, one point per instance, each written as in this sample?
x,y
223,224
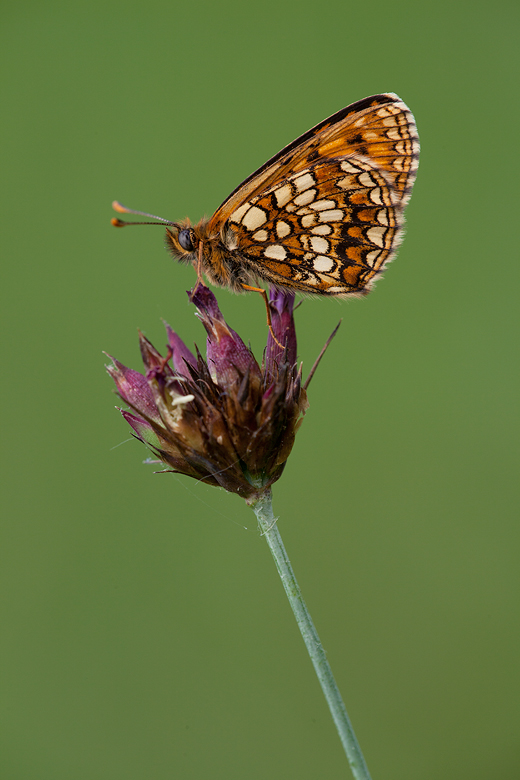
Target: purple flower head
x,y
223,420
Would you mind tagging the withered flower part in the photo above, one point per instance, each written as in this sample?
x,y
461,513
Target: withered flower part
x,y
224,420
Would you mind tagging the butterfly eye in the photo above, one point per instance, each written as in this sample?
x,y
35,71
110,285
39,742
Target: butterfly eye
x,y
186,237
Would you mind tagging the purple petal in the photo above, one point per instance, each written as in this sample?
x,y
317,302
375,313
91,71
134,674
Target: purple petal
x,y
180,352
143,429
152,359
134,389
282,320
206,302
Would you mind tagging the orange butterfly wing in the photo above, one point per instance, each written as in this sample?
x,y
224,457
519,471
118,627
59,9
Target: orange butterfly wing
x,y
328,229
324,215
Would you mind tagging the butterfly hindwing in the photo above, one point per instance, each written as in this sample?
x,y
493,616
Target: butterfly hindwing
x,y
328,229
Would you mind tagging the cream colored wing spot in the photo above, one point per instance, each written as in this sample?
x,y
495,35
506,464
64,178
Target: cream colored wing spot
x,y
305,198
348,167
304,182
319,244
308,220
325,278
377,235
321,205
275,252
323,264
283,195
375,196
382,217
282,228
321,230
366,180
372,256
261,235
237,215
254,217
394,134
334,215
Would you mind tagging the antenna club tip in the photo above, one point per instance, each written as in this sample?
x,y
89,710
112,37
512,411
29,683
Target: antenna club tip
x,y
117,222
119,207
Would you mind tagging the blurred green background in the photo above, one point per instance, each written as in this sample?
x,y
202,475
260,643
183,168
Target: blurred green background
x,y
145,633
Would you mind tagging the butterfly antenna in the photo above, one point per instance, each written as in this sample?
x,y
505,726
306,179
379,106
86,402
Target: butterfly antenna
x,y
124,210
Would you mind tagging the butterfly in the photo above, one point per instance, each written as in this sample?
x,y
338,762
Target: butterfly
x,y
323,216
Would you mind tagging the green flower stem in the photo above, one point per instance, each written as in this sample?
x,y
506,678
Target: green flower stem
x,y
263,509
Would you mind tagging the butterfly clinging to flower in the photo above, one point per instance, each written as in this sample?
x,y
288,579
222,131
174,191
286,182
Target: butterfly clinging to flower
x,y
323,216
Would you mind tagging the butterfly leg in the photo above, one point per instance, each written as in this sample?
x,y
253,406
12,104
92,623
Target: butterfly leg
x,y
199,271
268,310
199,265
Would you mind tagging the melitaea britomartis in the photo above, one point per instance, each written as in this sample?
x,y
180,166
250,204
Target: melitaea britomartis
x,y
323,216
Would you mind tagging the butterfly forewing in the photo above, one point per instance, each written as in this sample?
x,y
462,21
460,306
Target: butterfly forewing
x,y
385,134
381,128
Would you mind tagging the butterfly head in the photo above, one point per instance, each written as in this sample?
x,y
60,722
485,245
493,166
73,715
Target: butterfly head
x,y
181,241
